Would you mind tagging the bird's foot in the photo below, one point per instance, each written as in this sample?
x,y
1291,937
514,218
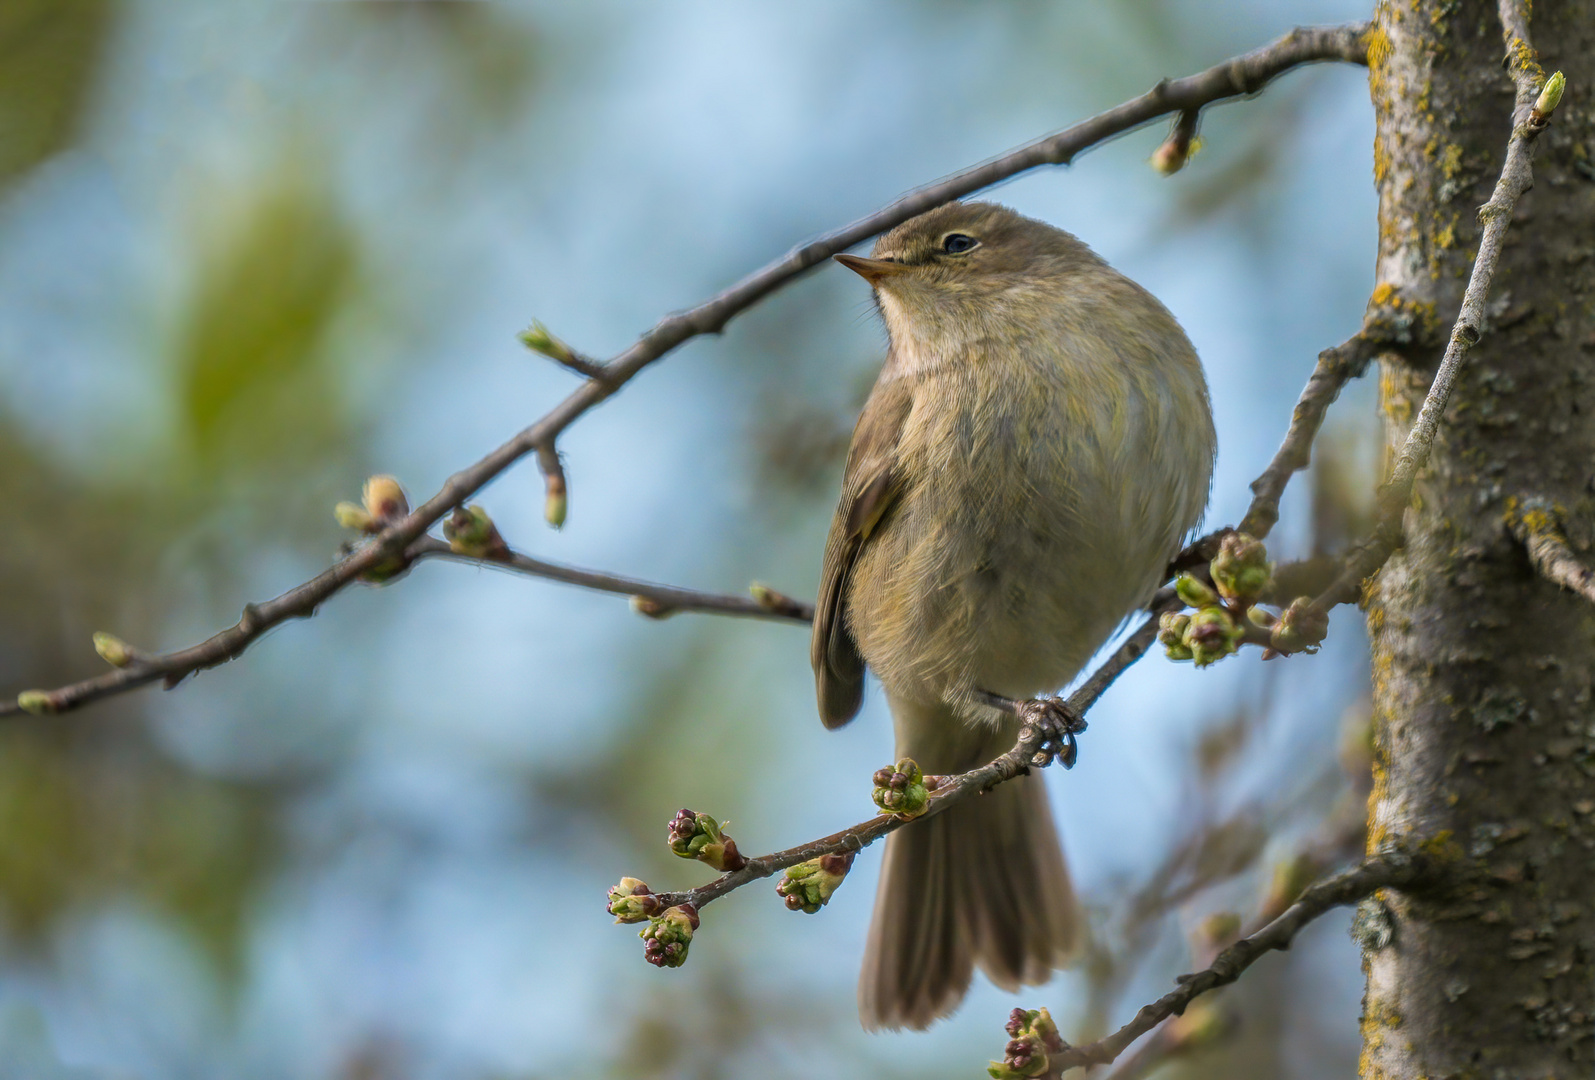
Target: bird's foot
x,y
1056,725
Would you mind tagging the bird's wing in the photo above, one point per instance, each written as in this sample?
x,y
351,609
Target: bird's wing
x,y
870,486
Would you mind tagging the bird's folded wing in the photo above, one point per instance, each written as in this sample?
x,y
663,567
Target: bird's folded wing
x,y
870,486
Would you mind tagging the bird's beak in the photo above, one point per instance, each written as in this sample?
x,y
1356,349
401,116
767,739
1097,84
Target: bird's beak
x,y
871,270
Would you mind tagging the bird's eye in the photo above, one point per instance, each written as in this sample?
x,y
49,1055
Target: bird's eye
x,y
957,243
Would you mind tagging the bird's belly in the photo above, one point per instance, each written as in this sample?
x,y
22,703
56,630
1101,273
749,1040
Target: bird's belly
x,y
963,592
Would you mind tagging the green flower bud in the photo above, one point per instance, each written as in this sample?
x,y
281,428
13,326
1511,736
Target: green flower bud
x,y
699,836
1262,617
37,702
1171,633
554,500
353,516
767,597
901,790
537,338
667,936
1550,97
471,532
1241,569
1031,1037
1302,627
1212,635
808,886
632,901
384,500
1194,591
649,608
113,650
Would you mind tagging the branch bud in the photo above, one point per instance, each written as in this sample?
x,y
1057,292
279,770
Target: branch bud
x,y
699,836
1031,1037
901,789
1550,97
1171,634
808,886
1241,569
37,702
113,650
1212,635
1302,627
537,338
554,500
649,608
384,500
667,936
353,516
1194,591
1172,154
631,901
471,532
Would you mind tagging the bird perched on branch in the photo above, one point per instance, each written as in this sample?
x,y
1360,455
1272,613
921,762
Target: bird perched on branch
x,y
1036,448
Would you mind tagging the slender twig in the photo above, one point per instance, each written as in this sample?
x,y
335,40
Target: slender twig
x,y
1335,368
1535,525
950,790
663,599
1517,176
1346,887
1241,76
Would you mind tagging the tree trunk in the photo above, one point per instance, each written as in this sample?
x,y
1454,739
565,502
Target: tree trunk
x,y
1482,669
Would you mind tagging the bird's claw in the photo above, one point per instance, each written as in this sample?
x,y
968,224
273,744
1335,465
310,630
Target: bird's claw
x,y
1056,725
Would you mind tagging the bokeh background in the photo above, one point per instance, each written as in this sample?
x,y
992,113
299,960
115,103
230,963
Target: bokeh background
x,y
251,253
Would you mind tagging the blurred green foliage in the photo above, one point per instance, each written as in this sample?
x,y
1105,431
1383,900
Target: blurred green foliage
x,y
50,57
254,376
89,817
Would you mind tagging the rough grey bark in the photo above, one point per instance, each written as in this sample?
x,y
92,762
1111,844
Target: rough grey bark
x,y
1483,668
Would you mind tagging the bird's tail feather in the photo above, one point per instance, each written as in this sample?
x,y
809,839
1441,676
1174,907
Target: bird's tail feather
x,y
982,884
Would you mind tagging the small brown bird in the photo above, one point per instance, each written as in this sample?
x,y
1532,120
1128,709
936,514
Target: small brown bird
x,y
1036,448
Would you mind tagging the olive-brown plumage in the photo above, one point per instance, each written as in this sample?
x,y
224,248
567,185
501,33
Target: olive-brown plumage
x,y
1036,448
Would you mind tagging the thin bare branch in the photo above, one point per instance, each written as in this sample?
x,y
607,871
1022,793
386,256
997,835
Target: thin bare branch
x,y
1534,522
1347,887
1239,77
1517,176
1335,368
663,600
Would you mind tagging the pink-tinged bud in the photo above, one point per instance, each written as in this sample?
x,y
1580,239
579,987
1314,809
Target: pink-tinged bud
x,y
1302,627
901,790
809,886
1032,1037
1212,635
667,936
1241,569
700,837
631,901
384,500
